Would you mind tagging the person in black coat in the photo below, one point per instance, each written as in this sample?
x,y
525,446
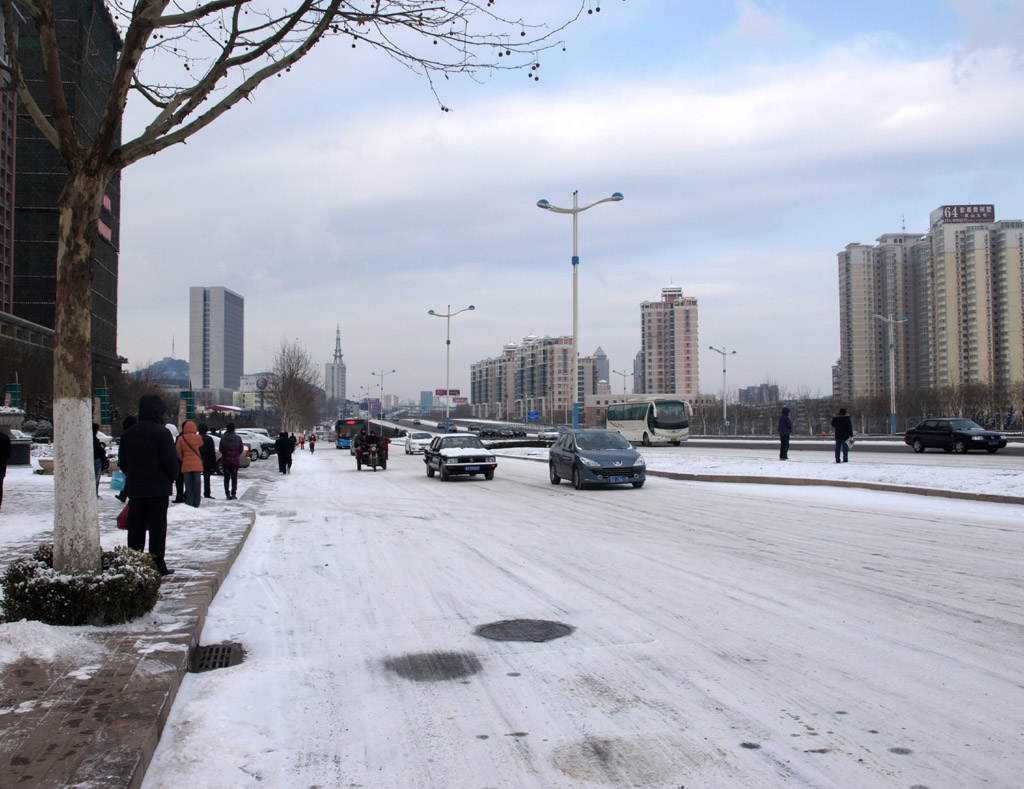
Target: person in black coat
x,y
843,427
284,446
150,464
209,455
128,422
5,455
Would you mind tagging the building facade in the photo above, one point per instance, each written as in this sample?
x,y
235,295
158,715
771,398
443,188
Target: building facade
x,y
335,373
216,340
669,344
90,44
960,287
531,377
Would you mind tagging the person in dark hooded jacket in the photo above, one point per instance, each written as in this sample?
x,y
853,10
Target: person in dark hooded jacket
x,y
785,430
150,464
284,446
209,455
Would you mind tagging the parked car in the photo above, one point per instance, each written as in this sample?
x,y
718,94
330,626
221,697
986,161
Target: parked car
x,y
458,454
953,435
595,457
549,434
262,444
415,443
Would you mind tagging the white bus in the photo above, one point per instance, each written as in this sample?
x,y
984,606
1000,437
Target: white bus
x,y
647,422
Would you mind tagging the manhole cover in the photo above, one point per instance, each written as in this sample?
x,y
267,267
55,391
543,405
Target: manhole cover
x,y
524,630
217,656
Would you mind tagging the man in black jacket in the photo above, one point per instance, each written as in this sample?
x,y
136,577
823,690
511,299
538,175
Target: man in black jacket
x,y
150,464
843,427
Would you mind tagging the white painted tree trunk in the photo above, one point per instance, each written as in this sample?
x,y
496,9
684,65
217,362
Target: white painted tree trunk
x,y
76,531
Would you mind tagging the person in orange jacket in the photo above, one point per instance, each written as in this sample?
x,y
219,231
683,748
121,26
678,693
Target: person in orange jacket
x,y
190,445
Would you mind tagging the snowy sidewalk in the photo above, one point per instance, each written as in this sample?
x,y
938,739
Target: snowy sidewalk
x,y
84,706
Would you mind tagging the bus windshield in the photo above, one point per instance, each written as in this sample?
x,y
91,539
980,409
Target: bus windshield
x,y
670,415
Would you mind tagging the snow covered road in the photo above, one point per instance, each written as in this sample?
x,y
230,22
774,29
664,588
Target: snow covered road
x,y
722,636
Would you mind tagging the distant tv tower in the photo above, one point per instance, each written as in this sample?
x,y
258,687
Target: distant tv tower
x,y
172,346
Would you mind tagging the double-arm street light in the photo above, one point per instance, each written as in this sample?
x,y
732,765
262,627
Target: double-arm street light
x,y
448,360
381,374
891,322
624,376
575,211
725,421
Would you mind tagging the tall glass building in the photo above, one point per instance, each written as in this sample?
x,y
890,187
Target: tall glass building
x,y
216,339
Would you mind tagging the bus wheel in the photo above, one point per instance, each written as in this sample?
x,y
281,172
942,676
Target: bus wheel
x,y
647,440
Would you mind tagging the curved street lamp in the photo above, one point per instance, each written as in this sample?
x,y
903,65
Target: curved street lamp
x,y
448,359
891,322
624,376
575,211
381,374
725,421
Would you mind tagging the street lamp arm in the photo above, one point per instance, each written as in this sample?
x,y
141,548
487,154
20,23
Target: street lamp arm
x,y
615,197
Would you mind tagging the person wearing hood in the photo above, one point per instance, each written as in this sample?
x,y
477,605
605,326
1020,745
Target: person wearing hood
x,y
785,430
150,466
842,425
189,446
230,460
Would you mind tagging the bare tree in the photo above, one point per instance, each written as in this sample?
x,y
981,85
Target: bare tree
x,y
293,386
190,62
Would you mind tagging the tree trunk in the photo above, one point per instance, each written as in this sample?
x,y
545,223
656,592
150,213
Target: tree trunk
x,y
76,532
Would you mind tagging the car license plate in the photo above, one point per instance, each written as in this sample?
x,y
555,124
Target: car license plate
x,y
472,468
619,479
993,443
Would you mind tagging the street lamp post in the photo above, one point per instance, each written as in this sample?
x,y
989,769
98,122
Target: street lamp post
x,y
448,359
725,421
575,211
381,374
891,322
624,376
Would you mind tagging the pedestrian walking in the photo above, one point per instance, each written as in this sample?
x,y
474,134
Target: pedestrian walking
x,y
189,447
99,456
302,441
284,446
150,465
5,455
785,430
230,460
842,425
312,443
209,455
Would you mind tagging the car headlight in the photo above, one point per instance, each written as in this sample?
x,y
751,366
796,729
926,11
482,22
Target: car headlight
x,y
640,461
588,462
978,438
489,459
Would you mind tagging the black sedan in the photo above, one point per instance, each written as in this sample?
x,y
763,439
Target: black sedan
x,y
953,435
595,457
460,454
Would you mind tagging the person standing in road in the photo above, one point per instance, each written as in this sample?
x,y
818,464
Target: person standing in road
x,y
312,443
785,430
189,446
209,455
230,459
842,425
150,466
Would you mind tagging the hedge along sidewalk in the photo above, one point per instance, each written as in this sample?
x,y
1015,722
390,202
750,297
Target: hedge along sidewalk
x,y
92,715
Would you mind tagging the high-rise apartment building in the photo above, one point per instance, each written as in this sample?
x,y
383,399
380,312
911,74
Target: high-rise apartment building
x,y
335,374
961,288
669,344
216,340
90,44
8,127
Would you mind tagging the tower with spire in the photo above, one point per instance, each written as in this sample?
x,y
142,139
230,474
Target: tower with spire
x,y
334,380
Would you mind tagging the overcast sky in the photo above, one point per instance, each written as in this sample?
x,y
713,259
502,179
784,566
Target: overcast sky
x,y
753,140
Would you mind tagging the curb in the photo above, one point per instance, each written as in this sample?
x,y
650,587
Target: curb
x,y
830,483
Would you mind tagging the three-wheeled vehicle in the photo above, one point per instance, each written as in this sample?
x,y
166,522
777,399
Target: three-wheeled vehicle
x,y
374,455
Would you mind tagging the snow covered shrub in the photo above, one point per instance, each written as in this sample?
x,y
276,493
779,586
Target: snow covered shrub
x,y
126,587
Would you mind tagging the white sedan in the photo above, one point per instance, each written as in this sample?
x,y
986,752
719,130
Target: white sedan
x,y
415,443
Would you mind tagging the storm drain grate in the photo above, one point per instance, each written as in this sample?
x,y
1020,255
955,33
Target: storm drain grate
x,y
524,630
216,656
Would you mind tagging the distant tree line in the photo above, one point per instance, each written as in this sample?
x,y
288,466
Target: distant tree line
x,y
994,406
